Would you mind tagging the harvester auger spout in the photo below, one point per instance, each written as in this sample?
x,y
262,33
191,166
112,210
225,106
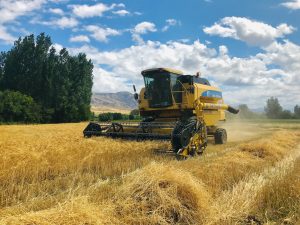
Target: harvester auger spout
x,y
184,109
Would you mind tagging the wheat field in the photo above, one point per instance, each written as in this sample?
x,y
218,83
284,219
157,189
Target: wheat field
x,y
50,174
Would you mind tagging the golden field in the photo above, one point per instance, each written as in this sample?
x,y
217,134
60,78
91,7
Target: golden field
x,y
50,174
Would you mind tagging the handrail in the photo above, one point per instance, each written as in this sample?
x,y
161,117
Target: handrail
x,y
184,91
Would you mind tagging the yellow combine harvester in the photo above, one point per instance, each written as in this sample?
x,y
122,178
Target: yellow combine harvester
x,y
182,108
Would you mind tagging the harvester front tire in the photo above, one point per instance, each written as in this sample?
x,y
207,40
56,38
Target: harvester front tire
x,y
175,140
180,139
220,136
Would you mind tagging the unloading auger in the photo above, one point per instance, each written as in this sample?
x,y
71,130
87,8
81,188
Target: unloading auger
x,y
184,109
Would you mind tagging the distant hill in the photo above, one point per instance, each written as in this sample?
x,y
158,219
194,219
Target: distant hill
x,y
115,102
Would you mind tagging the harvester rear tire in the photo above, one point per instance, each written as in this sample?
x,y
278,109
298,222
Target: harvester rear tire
x,y
220,136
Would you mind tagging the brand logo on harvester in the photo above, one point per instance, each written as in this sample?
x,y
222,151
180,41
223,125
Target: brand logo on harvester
x,y
212,94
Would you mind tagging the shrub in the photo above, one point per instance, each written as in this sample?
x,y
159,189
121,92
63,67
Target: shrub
x,y
16,107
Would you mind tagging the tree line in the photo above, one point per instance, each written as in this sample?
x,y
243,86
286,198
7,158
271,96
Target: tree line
x,y
40,85
272,110
110,116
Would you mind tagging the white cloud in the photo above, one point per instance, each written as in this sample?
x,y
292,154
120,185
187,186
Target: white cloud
x,y
80,38
170,23
100,33
11,9
250,80
105,81
142,28
287,57
86,11
121,12
59,1
250,31
121,5
223,50
66,22
56,11
294,5
6,36
58,47
62,23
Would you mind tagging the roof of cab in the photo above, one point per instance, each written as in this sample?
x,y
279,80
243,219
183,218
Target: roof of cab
x,y
163,69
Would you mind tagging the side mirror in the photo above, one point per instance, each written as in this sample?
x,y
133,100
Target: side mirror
x,y
136,96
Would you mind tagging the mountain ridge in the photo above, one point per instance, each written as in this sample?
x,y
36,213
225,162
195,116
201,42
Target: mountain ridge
x,y
118,100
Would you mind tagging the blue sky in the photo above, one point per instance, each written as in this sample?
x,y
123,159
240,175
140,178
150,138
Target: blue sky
x,y
251,49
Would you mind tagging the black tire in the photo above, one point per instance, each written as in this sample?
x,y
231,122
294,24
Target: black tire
x,y
92,129
220,136
175,139
180,139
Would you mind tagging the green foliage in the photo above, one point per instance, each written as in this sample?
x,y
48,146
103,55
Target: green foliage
x,y
273,109
16,107
104,117
60,83
135,112
2,59
286,114
111,116
297,112
117,116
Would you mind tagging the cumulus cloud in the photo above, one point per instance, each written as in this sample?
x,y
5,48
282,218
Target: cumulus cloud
x,y
65,22
6,36
87,11
170,23
250,80
121,12
56,11
105,81
252,32
62,23
287,56
10,10
294,5
80,38
59,1
57,47
100,33
142,28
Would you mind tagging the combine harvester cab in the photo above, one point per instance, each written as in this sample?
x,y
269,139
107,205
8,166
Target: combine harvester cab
x,y
184,109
